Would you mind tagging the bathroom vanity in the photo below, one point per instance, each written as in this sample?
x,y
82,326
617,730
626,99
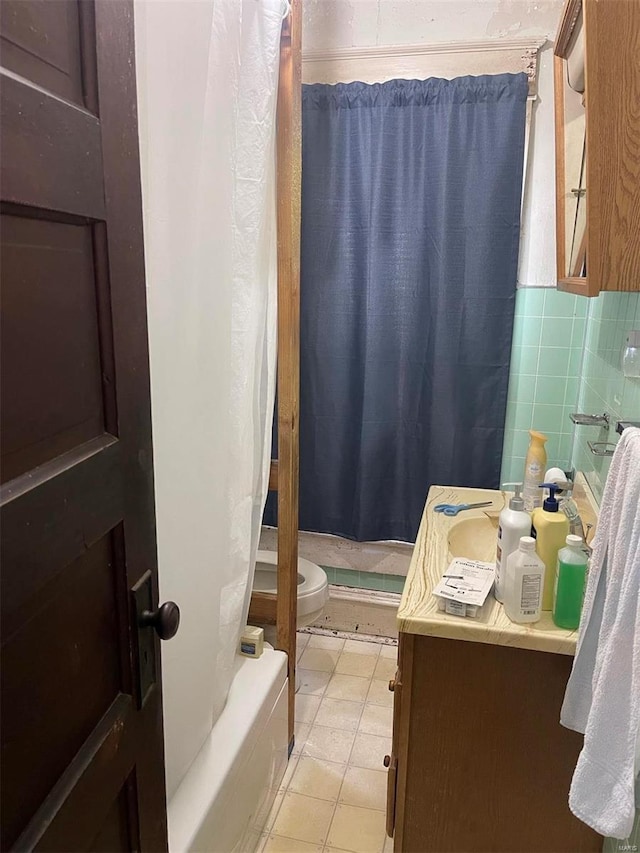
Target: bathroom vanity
x,y
479,760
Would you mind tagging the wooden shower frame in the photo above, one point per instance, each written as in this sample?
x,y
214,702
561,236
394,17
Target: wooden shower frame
x,y
284,471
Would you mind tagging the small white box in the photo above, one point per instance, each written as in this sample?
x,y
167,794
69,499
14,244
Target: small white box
x,y
464,587
459,608
252,642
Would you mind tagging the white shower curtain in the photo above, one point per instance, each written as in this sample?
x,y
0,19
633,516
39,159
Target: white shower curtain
x,y
207,79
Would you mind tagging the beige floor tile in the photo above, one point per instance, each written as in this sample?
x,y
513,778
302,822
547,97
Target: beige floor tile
x,y
329,744
357,830
364,788
300,734
306,707
275,808
302,638
350,687
288,773
301,644
376,720
362,665
322,641
369,751
379,693
389,651
303,818
385,668
312,681
278,844
362,647
322,659
317,778
388,845
339,714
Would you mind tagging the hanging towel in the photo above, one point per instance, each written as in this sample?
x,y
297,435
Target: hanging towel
x,y
602,699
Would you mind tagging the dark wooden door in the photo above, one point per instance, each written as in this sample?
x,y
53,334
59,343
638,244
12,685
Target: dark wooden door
x,y
82,749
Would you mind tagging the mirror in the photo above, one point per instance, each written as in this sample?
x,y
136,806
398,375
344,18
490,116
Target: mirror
x,y
571,150
575,189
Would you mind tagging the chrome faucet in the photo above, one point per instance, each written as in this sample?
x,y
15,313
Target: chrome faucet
x,y
570,509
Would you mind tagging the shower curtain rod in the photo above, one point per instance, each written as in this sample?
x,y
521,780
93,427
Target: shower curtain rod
x,y
420,61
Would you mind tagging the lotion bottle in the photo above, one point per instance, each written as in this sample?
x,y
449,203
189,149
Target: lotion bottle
x,y
524,583
550,529
513,523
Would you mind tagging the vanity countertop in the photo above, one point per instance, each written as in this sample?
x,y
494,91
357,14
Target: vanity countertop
x,y
438,540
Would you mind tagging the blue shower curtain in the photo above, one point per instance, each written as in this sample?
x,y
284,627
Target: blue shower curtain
x,y
410,223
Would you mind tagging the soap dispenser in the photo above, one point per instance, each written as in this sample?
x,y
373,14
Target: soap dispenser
x,y
550,529
513,523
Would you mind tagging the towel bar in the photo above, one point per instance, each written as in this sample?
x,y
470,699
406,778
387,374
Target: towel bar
x,y
601,448
590,420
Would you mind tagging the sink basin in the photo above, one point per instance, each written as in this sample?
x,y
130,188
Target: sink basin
x,y
472,534
474,538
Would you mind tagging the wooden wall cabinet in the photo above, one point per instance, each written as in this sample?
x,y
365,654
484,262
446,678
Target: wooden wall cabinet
x,y
597,93
479,760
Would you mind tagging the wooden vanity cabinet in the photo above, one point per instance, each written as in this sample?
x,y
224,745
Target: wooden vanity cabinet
x,y
479,760
597,130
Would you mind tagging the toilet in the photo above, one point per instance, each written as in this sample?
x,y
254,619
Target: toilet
x,y
313,585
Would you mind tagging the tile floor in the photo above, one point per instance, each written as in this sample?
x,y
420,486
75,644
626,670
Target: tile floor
x,y
333,795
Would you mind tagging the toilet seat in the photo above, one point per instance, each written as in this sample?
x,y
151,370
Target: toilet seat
x,y
313,585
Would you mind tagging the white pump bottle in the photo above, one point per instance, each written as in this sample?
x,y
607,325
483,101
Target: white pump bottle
x,y
513,523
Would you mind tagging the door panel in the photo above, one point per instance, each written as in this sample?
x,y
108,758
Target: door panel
x,y
80,803
41,42
53,391
82,757
55,701
114,836
62,176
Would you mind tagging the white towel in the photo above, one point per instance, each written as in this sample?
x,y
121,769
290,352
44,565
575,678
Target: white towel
x,y
602,699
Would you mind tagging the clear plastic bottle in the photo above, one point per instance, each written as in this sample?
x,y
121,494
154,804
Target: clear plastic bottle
x,y
568,591
535,465
524,583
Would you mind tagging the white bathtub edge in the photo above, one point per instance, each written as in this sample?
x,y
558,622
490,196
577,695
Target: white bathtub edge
x,y
255,689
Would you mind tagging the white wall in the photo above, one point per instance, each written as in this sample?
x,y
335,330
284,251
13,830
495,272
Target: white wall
x,y
363,23
331,24
537,262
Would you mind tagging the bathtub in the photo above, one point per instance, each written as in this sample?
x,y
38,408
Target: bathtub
x,y
223,802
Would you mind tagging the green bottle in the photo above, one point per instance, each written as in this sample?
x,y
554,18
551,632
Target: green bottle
x,y
571,576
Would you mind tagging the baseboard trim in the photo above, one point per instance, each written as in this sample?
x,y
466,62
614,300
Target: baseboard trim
x,y
361,612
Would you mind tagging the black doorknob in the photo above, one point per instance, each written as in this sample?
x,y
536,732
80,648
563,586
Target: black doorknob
x,y
165,620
